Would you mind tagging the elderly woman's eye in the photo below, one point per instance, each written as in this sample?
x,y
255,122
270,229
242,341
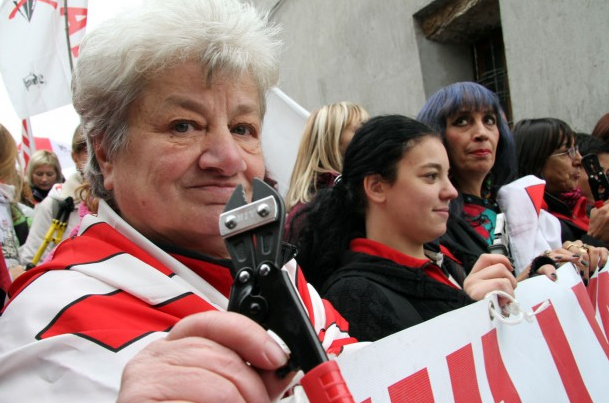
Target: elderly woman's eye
x,y
490,120
243,130
182,127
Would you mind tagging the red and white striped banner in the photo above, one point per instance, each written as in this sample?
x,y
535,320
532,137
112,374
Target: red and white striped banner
x,y
551,349
598,290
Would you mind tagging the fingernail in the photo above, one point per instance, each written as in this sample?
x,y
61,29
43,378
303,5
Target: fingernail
x,y
276,355
581,273
585,263
553,275
576,255
557,258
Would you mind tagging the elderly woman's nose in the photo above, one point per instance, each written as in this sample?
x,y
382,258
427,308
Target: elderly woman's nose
x,y
221,152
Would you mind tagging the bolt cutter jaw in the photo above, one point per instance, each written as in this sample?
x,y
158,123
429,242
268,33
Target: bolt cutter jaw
x,y
262,291
253,234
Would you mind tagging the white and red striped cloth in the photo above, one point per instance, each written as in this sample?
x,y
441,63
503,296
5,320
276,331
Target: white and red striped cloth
x,y
61,149
74,322
551,349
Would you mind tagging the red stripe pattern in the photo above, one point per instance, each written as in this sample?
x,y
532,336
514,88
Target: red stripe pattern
x,y
562,355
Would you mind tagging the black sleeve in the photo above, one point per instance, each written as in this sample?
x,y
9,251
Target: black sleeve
x,y
373,312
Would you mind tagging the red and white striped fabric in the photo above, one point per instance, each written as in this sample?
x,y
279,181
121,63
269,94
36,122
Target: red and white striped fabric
x,y
62,150
531,229
73,323
28,145
598,289
558,354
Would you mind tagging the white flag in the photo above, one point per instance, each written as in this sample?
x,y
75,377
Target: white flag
x,y
34,51
284,123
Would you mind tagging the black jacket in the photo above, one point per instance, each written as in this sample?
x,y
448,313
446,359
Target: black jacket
x,y
463,242
379,297
570,221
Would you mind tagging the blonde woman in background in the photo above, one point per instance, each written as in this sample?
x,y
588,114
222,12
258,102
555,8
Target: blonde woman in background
x,y
43,171
320,156
48,209
14,216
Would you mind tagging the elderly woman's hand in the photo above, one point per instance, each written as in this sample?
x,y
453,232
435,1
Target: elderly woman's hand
x,y
599,223
207,357
491,272
590,259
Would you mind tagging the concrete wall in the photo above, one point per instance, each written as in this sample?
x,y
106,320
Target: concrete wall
x,y
372,53
558,59
360,51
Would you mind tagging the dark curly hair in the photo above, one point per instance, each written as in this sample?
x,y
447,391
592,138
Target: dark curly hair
x,y
337,214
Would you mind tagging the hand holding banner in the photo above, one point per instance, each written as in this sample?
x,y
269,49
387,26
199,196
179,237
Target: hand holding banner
x,y
468,355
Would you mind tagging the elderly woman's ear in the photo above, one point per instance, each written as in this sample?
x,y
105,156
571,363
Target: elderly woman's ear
x,y
105,165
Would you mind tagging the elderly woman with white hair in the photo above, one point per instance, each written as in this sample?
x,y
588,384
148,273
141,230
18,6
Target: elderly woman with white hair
x,y
171,98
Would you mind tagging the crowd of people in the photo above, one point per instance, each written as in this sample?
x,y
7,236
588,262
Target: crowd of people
x,y
394,220
32,198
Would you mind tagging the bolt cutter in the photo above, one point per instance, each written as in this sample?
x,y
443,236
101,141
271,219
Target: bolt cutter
x,y
262,291
56,230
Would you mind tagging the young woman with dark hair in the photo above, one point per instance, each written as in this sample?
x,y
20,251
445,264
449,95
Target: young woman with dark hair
x,y
367,244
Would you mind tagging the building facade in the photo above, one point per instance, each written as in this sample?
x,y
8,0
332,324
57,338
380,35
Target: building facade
x,y
543,57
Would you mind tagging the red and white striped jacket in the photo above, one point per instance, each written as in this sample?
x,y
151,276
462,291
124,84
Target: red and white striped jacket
x,y
73,323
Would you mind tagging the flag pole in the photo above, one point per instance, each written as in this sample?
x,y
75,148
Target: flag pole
x,y
65,7
28,143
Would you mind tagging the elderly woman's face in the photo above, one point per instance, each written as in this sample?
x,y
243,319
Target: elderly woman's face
x,y
562,170
189,147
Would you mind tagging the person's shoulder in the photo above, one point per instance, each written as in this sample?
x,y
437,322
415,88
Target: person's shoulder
x,y
350,280
71,185
46,205
55,193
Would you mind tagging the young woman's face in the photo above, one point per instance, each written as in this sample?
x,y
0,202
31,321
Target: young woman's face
x,y
418,200
44,177
562,170
471,142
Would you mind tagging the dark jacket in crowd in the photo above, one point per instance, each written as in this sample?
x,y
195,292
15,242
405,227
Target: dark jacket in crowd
x,y
379,297
573,221
465,244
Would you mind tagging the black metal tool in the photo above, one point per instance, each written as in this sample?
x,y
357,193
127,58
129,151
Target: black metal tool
x,y
262,291
253,234
599,184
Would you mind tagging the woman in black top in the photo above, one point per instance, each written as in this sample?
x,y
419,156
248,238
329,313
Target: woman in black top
x,y
367,241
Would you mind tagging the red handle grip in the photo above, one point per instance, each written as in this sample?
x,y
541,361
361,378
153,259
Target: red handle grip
x,y
325,384
599,203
